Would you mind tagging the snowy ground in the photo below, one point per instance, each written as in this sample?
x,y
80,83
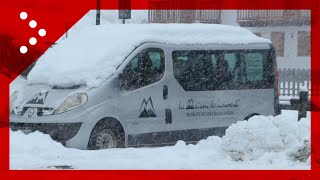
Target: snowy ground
x,y
260,143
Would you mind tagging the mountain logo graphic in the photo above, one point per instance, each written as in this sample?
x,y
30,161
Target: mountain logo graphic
x,y
40,98
147,109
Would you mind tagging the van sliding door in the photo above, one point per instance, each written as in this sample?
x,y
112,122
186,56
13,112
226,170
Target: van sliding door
x,y
143,92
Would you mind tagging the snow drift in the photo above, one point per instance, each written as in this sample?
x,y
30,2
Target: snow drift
x,y
261,143
261,135
92,55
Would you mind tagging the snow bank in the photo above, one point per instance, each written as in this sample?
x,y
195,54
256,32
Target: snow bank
x,y
253,139
93,54
260,143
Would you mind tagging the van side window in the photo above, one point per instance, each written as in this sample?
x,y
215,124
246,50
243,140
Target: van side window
x,y
205,70
231,58
145,68
254,66
195,70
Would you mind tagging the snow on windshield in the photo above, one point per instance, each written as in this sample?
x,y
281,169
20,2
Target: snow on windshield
x,y
93,54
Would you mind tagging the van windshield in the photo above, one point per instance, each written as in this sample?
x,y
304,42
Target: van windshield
x,y
201,70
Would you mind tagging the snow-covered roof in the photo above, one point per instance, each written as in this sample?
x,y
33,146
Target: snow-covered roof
x,y
92,54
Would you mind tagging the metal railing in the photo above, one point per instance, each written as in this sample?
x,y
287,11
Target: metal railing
x,y
292,81
295,89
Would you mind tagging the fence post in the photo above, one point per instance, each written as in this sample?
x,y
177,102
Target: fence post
x,y
303,104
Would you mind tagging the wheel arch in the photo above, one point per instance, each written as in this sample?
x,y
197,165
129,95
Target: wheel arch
x,y
251,115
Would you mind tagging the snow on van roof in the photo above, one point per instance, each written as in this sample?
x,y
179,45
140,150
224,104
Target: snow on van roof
x,y
92,55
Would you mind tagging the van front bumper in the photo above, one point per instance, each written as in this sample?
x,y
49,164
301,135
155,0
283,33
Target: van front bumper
x,y
72,128
60,132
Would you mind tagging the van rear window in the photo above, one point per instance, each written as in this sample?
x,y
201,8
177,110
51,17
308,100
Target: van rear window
x,y
201,70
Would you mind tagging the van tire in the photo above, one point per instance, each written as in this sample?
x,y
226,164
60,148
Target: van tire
x,y
107,134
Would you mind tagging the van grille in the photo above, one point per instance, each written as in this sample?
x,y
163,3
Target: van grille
x,y
41,111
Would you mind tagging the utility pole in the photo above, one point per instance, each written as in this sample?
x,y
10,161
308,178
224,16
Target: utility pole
x,y
98,13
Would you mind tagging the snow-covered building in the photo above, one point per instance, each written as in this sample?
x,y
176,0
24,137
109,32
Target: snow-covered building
x,y
289,30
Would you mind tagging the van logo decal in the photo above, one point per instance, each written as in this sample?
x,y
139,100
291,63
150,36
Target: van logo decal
x,y
146,109
40,98
211,108
30,112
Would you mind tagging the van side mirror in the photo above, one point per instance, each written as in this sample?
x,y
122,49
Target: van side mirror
x,y
122,83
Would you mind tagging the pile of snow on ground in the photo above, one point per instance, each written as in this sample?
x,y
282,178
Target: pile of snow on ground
x,y
261,136
92,55
260,143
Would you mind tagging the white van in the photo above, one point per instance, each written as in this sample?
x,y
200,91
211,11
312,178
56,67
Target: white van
x,y
147,85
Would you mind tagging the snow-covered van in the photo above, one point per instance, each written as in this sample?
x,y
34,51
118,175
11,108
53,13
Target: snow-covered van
x,y
147,85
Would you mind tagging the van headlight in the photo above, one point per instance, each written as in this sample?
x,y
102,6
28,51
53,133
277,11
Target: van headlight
x,y
13,99
72,102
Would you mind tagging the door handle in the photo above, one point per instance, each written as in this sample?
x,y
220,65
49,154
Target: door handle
x,y
168,117
165,92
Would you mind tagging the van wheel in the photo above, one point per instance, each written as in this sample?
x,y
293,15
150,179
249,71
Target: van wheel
x,y
106,135
106,140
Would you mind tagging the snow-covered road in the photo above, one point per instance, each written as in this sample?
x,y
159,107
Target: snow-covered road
x,y
260,143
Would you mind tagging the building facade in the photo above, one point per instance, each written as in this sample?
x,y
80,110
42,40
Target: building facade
x,y
289,30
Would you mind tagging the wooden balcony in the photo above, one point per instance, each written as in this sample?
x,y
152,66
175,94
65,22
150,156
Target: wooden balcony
x,y
208,16
160,11
161,16
184,16
273,17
